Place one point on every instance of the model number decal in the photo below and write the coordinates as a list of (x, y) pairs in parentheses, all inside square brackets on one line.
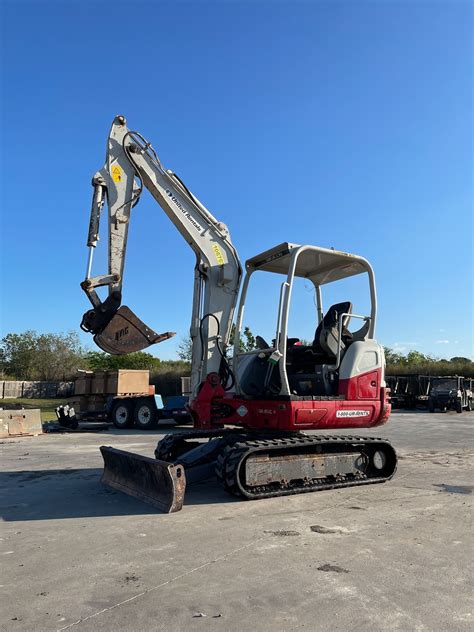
[(353, 413), (218, 253), (186, 213)]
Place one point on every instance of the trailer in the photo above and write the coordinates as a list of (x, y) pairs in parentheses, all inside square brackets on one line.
[(442, 392), (123, 397), (409, 390)]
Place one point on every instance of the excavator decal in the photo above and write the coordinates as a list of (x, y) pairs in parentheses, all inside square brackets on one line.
[(116, 174)]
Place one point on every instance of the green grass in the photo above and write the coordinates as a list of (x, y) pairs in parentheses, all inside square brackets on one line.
[(47, 406)]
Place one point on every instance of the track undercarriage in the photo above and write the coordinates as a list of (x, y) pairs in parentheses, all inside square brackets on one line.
[(264, 464), (252, 465)]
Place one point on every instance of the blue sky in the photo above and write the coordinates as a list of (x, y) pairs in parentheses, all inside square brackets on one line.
[(343, 124)]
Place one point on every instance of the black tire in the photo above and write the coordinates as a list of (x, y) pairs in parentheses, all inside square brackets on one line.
[(431, 406), (121, 414), (458, 406), (145, 414)]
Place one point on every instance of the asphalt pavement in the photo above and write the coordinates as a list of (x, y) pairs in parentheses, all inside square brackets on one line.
[(396, 556)]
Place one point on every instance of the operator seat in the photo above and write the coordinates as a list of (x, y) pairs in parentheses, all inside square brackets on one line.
[(326, 337), (311, 370)]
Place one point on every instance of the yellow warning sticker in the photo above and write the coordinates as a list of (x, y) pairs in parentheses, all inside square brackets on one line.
[(116, 173), (218, 253)]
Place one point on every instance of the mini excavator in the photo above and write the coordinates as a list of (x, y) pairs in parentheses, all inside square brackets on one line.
[(251, 410)]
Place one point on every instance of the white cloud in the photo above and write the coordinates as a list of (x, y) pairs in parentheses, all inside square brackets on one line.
[(404, 347), (441, 342), (405, 344)]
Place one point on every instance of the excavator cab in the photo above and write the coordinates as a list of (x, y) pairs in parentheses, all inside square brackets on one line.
[(287, 367)]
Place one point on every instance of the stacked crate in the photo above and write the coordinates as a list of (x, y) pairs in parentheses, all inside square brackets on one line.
[(91, 390)]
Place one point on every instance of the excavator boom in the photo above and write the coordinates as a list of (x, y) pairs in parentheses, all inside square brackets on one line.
[(132, 164)]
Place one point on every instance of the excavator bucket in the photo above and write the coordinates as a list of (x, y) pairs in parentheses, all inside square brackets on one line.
[(126, 333), (157, 483)]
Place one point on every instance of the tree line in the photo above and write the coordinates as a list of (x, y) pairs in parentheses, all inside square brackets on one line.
[(417, 362), (58, 356)]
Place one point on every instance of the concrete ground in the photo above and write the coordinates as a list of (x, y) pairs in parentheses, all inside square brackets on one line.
[(396, 556)]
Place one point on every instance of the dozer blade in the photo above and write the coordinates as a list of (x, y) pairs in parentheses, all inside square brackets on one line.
[(126, 333), (158, 483)]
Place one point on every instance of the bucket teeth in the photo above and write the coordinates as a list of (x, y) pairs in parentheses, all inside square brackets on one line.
[(126, 333), (157, 483)]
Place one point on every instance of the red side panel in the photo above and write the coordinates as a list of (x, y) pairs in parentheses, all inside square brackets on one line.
[(365, 404), (368, 385), (365, 386), (310, 416)]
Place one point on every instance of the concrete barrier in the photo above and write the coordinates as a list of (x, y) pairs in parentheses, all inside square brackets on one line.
[(15, 423)]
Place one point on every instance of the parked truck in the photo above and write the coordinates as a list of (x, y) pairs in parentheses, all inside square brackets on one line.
[(450, 393)]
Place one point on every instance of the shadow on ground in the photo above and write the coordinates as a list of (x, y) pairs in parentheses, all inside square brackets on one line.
[(167, 426), (78, 493)]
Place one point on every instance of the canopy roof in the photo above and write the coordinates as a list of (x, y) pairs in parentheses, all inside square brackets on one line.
[(321, 265)]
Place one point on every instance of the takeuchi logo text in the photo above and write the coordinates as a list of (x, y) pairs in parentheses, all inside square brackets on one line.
[(184, 211)]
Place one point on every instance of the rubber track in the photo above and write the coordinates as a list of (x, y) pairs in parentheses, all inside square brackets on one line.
[(238, 448), (232, 458)]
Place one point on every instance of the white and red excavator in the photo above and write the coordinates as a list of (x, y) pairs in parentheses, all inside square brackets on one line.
[(252, 410)]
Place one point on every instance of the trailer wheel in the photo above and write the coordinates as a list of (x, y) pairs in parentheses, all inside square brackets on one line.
[(121, 414), (145, 415)]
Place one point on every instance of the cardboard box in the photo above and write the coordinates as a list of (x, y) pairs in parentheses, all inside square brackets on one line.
[(126, 381), (82, 386), (118, 382), (98, 384)]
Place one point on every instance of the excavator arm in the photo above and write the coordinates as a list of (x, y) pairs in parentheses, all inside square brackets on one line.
[(131, 165)]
